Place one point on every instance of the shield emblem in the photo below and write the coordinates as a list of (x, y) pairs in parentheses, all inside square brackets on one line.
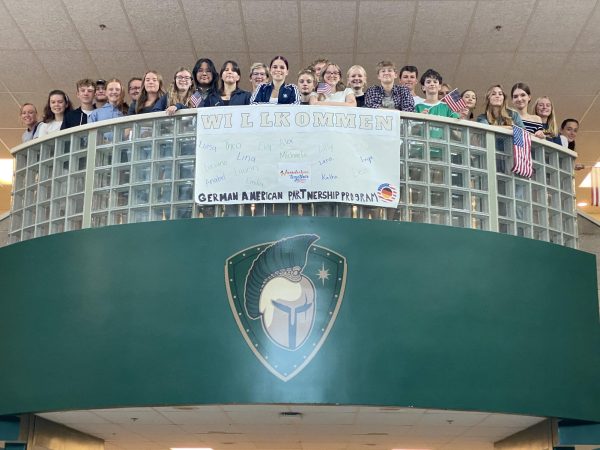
[(285, 296)]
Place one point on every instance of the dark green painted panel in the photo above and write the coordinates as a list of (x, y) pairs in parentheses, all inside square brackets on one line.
[(9, 428), (433, 317)]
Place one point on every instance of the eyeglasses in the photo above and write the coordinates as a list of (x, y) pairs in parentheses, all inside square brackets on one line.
[(333, 73), (181, 78), (259, 74)]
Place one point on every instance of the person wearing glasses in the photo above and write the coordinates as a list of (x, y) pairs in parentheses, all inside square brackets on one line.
[(134, 87), (332, 90), (179, 93), (276, 92), (259, 73), (229, 94)]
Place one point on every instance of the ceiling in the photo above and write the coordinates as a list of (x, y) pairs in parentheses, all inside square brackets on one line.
[(552, 45), (262, 427)]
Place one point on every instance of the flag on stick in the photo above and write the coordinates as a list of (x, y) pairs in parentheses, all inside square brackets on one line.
[(324, 88), (455, 101), (595, 186), (522, 152)]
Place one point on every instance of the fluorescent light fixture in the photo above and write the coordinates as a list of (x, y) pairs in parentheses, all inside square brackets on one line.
[(582, 204), (6, 171)]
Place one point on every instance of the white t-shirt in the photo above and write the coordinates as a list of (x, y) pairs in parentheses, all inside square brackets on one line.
[(47, 128)]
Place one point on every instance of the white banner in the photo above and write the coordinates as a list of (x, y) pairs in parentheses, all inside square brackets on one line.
[(297, 154)]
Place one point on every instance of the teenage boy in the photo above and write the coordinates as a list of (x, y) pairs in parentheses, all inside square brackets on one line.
[(431, 81), (409, 76), (387, 94), (86, 90), (307, 83), (568, 131), (101, 98)]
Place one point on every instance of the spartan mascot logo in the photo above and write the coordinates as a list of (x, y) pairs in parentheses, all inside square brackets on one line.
[(285, 296)]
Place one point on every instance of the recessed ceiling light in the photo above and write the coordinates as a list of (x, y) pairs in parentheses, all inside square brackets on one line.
[(582, 204)]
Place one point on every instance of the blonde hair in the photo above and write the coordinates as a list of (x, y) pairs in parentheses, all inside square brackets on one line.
[(174, 96), (551, 129), (358, 68)]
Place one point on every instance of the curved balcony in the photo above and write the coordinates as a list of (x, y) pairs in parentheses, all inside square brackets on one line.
[(142, 168)]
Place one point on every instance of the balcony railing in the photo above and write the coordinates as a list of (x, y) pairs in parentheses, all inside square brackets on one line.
[(142, 168)]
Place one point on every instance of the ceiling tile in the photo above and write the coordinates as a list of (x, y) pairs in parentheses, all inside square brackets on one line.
[(261, 15), (555, 25), (430, 37), (483, 36), (579, 76), (166, 63), (589, 38), (338, 38), (369, 62), (574, 106), (160, 26), (478, 71), (47, 26), (293, 59), (11, 37), (385, 25), (66, 68), (87, 16), (541, 67), (9, 111), (444, 63), (10, 138), (218, 28), (22, 71), (121, 65)]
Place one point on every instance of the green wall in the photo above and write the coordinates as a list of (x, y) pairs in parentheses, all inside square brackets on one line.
[(432, 317)]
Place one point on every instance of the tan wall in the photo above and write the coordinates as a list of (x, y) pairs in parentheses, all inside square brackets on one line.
[(589, 241), (537, 437), (4, 225)]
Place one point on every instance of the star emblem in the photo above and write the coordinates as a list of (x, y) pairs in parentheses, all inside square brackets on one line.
[(323, 274)]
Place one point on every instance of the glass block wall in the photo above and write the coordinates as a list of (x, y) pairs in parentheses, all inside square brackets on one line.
[(452, 173)]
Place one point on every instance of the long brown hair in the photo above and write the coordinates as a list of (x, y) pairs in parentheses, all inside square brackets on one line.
[(139, 105), (504, 118)]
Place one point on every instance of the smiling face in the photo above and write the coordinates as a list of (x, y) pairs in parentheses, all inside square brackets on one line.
[(570, 130), (28, 115), (331, 75), (409, 79), (57, 104), (86, 94), (278, 70), (204, 75), (470, 99), (183, 80), (386, 74), (520, 99), (306, 83), (357, 79), (114, 92), (431, 86), (151, 83), (258, 76), (543, 108), (444, 89)]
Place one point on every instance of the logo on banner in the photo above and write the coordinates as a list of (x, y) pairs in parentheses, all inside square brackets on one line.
[(285, 296), (387, 192)]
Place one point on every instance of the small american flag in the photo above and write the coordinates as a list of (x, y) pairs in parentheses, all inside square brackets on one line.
[(455, 101), (595, 186), (522, 152), (324, 88), (195, 99)]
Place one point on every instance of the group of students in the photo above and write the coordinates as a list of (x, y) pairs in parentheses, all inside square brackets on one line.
[(319, 84)]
